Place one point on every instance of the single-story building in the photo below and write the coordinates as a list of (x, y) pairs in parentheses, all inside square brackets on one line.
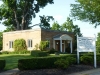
[(59, 40)]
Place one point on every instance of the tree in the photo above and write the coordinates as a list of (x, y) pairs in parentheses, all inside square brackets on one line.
[(19, 13), (88, 11), (98, 43), (55, 26), (44, 21), (1, 40), (70, 27)]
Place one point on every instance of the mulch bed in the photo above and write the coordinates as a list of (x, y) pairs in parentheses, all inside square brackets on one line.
[(71, 69)]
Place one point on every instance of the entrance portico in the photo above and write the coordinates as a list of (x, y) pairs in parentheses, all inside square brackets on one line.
[(61, 42)]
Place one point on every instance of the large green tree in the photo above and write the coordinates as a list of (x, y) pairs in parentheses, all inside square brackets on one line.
[(87, 10), (55, 26), (70, 27), (19, 13)]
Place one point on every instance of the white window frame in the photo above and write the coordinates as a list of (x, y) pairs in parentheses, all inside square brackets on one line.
[(30, 43), (10, 44)]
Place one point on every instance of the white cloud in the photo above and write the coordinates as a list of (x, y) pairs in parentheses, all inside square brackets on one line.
[(58, 17)]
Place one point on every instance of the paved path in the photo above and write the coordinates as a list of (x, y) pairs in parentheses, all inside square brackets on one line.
[(89, 72), (9, 72)]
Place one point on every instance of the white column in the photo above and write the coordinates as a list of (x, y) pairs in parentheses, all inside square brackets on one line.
[(60, 45), (71, 46), (54, 44)]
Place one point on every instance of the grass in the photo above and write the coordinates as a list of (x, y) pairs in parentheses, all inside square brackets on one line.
[(12, 59)]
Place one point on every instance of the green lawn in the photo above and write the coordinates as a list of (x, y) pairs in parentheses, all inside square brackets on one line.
[(12, 59)]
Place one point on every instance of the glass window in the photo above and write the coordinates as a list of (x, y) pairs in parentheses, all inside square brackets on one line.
[(29, 42), (10, 44)]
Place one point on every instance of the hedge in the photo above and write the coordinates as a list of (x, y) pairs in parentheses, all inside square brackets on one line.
[(38, 63), (2, 64), (38, 53)]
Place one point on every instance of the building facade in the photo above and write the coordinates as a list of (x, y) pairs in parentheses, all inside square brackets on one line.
[(59, 40)]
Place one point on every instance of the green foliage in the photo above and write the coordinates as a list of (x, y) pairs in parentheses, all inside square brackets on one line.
[(20, 44), (87, 11), (36, 47), (41, 62), (1, 43), (98, 43), (52, 51), (44, 21), (72, 60), (86, 59), (38, 53), (62, 63), (2, 64), (55, 26), (16, 52), (65, 62), (19, 13), (43, 45), (37, 63), (5, 52)]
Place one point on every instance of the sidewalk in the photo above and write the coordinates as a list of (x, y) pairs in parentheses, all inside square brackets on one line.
[(89, 72), (9, 72)]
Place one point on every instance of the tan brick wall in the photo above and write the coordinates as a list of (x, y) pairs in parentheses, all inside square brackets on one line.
[(35, 35)]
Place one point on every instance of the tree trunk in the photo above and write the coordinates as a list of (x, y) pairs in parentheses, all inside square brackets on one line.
[(16, 20)]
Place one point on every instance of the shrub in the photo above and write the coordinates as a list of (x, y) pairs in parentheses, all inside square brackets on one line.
[(65, 62), (2, 64), (38, 53), (36, 47), (85, 59), (62, 63), (52, 51), (20, 52), (20, 44), (71, 60), (37, 63), (5, 52), (43, 45)]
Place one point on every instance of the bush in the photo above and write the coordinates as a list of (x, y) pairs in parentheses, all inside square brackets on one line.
[(62, 63), (65, 62), (37, 63), (16, 52), (71, 60), (20, 52), (2, 64), (85, 59), (5, 52), (43, 45), (52, 51), (20, 44), (38, 53)]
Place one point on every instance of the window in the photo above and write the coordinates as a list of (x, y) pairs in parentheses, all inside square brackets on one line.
[(29, 42), (10, 44)]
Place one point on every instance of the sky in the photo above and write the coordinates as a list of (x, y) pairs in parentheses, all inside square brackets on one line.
[(60, 10)]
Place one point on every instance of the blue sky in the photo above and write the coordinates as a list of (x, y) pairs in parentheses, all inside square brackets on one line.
[(60, 10)]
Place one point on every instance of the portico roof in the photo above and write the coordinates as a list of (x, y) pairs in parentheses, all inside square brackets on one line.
[(62, 36)]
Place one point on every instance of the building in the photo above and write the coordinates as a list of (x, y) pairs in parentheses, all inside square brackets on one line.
[(59, 40)]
